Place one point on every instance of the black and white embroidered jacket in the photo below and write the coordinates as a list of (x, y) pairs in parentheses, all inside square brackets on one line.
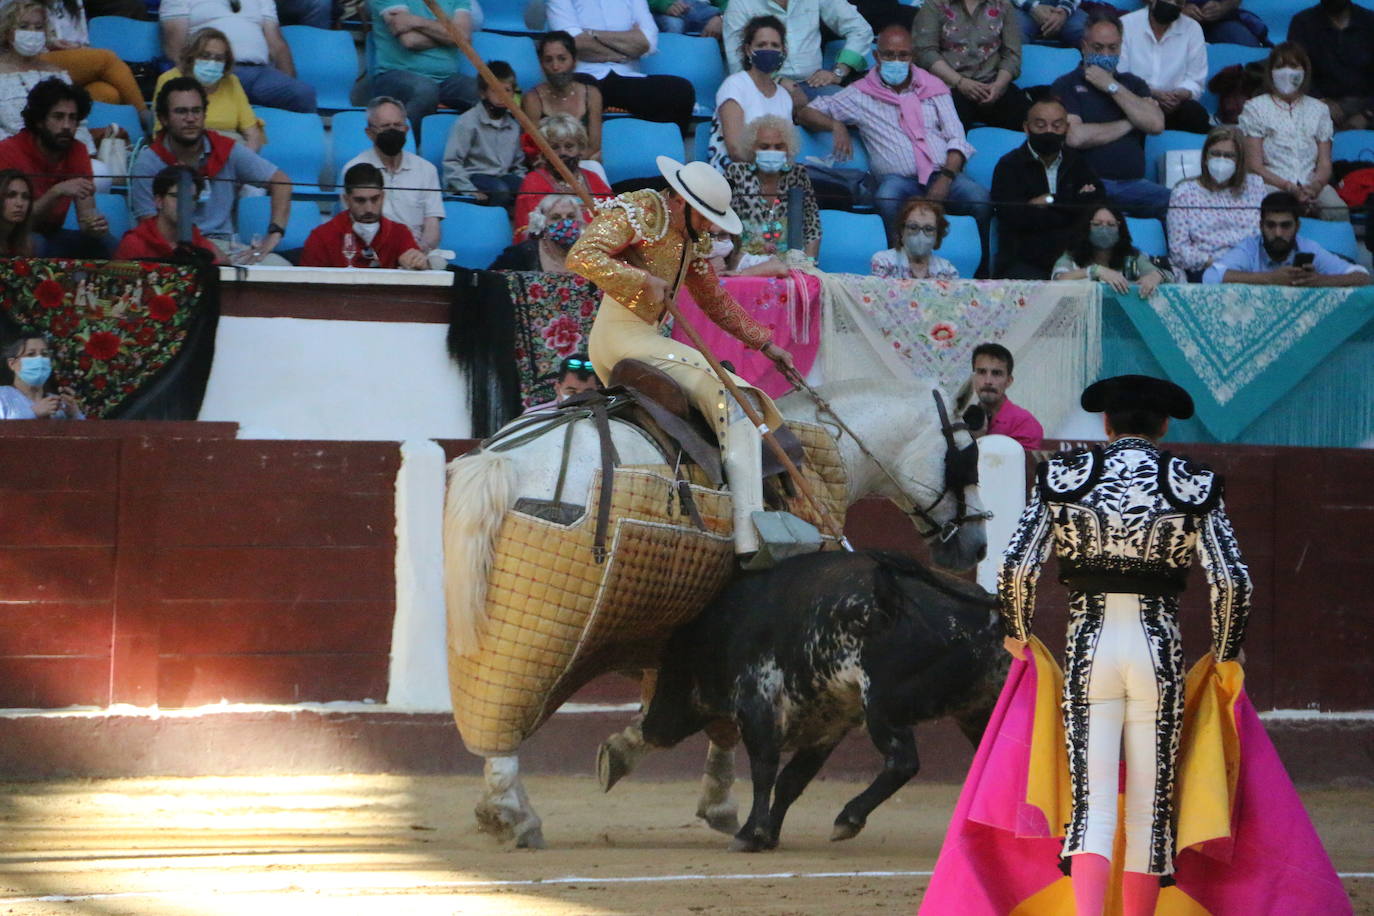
[(1127, 519)]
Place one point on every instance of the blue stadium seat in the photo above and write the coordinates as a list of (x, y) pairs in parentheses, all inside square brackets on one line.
[(701, 141), (1221, 56), (516, 50), (1043, 64), (1277, 14), (325, 59), (962, 247), (629, 147), (255, 213), (1125, 6), (1335, 237), (104, 114), (696, 60), (116, 210), (818, 145), (1148, 235), (990, 144), (1353, 144), (830, 51), (1156, 145), (504, 16), (135, 41), (295, 144), (849, 241), (476, 234), (434, 136)]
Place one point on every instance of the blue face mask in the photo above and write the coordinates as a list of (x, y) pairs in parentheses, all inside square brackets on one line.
[(771, 160), (1108, 62), (34, 370), (894, 72), (208, 72), (766, 60)]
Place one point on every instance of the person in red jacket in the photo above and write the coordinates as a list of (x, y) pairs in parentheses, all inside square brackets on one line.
[(156, 236), (360, 236)]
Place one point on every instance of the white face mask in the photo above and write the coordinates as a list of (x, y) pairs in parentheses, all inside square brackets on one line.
[(1220, 168), (1288, 79), (366, 231), (29, 42), (722, 248)]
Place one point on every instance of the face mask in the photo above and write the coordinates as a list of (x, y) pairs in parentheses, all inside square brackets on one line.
[(390, 142), (1047, 143), (1166, 12), (1103, 236), (1108, 62), (1288, 79), (34, 370), (918, 244), (722, 248), (563, 232), (560, 80), (208, 72), (1278, 249), (894, 72), (29, 42), (495, 112), (1220, 168), (574, 164), (366, 231), (766, 60), (771, 160)]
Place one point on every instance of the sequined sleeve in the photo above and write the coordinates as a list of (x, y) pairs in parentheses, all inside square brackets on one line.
[(1229, 580), (1021, 564), (722, 308), (595, 256)]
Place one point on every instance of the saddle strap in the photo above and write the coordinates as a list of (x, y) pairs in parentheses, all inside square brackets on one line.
[(706, 455), (608, 463)]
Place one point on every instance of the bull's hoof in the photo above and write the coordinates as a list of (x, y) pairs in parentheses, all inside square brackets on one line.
[(533, 838), (723, 817), (493, 822), (617, 757), (845, 830)]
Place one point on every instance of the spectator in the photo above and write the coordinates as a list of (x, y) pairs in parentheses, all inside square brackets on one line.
[(1271, 258), (992, 376), (1210, 214), (99, 71), (227, 167), (318, 14), (762, 186), (908, 122), (263, 61), (687, 17), (1288, 135), (802, 20), (157, 236), (1109, 115), (574, 376), (611, 36), (16, 215), (1339, 39), (416, 60), (555, 224), (1041, 189), (1058, 21), (413, 198), (361, 236), (208, 58), (924, 227), (561, 92), (31, 395), (1101, 250), (975, 47), (753, 92), (1223, 22), (569, 142), (1166, 49), (483, 157), (59, 169)]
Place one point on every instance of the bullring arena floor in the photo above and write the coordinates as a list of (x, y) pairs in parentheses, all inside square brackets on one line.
[(344, 845)]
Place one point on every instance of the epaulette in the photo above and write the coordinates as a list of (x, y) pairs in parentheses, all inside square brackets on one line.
[(1189, 486), (1068, 475)]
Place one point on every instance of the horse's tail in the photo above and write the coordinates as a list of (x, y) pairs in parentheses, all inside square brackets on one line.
[(481, 489)]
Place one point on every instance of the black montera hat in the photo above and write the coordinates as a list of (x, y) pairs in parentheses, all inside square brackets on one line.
[(1137, 392)]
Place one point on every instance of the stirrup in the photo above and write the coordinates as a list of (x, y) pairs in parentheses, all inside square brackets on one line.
[(781, 535)]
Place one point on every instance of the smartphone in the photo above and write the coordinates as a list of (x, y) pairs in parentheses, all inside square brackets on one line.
[(1303, 259)]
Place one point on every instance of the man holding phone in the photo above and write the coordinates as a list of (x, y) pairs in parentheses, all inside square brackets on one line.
[(1279, 257)]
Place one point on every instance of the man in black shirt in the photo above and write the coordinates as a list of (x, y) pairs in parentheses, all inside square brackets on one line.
[(1339, 38)]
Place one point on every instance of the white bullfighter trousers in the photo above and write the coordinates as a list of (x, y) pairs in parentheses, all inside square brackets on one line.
[(743, 460)]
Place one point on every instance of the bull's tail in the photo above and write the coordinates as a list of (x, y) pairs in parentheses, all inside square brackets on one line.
[(481, 489)]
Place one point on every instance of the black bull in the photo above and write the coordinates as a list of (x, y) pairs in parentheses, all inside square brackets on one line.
[(799, 654)]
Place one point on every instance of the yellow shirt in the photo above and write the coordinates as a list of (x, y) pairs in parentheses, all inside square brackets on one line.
[(229, 108)]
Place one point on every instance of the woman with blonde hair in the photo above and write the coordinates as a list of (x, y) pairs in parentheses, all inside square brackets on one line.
[(209, 59), (762, 182), (99, 71), (568, 139), (1210, 214)]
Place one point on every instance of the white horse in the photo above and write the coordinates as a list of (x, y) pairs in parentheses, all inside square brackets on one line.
[(898, 424)]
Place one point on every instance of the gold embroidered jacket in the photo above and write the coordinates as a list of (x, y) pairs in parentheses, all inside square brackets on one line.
[(629, 236)]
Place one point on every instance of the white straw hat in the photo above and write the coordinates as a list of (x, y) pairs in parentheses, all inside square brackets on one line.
[(704, 189)]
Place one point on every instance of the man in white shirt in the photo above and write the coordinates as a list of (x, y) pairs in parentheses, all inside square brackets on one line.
[(1167, 50), (803, 19), (262, 60), (413, 197), (611, 36)]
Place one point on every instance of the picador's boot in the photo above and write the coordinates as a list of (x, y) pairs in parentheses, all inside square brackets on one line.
[(761, 538)]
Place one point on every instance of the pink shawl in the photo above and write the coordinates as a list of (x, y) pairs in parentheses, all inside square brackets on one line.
[(923, 86)]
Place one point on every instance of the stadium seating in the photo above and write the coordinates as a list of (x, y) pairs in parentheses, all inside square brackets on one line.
[(116, 210), (696, 60), (1148, 235), (1353, 144), (104, 114), (135, 41), (1335, 237), (1277, 14), (701, 141), (961, 246), (434, 136), (1043, 64), (1125, 6), (516, 50), (476, 234), (818, 145), (990, 144), (830, 52), (630, 146), (1156, 145), (504, 16), (326, 60), (295, 144), (255, 213), (1221, 56), (849, 241)]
